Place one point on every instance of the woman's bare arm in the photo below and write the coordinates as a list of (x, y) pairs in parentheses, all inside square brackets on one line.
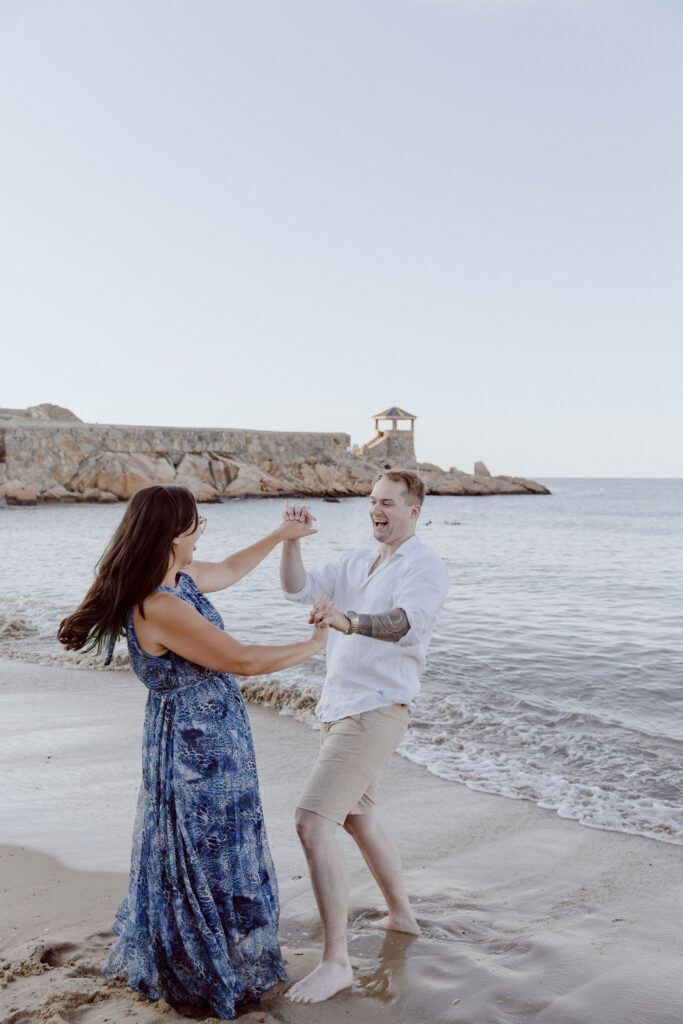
[(171, 624), (212, 576)]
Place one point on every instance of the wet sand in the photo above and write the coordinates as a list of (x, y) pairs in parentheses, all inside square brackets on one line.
[(525, 916)]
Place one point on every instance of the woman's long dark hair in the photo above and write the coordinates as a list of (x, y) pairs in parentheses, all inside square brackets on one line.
[(132, 567)]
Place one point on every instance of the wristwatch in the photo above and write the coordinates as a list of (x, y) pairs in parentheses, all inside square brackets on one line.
[(354, 619)]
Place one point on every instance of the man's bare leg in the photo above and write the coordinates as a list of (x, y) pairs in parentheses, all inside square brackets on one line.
[(331, 889), (382, 857)]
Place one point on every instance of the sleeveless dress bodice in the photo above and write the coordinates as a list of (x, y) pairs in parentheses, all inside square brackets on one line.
[(171, 672), (200, 922)]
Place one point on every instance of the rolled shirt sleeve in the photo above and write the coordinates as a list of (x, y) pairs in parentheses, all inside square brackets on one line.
[(421, 594), (317, 582)]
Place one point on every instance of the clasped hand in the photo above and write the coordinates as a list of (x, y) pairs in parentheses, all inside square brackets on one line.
[(323, 613), (297, 522)]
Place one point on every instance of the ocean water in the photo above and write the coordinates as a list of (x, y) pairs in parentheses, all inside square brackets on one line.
[(554, 675)]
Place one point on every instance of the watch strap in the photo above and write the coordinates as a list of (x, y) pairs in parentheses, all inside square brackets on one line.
[(353, 618)]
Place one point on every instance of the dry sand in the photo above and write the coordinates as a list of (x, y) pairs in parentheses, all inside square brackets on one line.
[(526, 917)]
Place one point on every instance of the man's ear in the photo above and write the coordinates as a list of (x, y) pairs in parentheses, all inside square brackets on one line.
[(415, 510)]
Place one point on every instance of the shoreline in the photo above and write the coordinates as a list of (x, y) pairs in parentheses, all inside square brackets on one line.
[(526, 916), (18, 498), (299, 702)]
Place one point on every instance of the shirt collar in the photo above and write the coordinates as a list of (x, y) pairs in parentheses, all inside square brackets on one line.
[(405, 549), (408, 545)]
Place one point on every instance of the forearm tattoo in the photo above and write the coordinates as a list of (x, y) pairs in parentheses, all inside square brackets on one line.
[(390, 626)]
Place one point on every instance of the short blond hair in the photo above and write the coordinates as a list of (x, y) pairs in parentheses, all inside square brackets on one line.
[(413, 483)]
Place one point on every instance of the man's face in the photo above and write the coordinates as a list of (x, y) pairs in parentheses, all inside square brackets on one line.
[(392, 515)]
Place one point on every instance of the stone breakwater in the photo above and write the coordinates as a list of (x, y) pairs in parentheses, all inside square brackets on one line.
[(44, 460)]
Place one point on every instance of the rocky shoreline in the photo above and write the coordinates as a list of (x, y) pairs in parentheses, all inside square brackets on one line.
[(47, 455)]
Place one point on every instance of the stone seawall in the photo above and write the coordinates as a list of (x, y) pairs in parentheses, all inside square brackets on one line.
[(93, 462), (66, 461)]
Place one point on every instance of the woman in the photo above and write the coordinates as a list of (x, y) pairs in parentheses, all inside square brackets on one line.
[(200, 922)]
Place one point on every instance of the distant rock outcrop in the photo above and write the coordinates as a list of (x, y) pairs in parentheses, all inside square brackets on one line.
[(455, 481), (45, 411), (53, 457)]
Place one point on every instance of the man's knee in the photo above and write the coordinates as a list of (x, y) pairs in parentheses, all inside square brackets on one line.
[(311, 826)]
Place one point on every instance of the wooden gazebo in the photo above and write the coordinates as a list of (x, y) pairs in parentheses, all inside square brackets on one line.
[(395, 415)]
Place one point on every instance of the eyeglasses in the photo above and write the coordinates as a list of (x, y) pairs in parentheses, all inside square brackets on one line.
[(202, 524)]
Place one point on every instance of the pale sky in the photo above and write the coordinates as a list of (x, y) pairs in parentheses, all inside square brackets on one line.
[(291, 215)]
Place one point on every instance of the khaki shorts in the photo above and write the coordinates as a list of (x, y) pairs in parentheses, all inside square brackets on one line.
[(352, 751)]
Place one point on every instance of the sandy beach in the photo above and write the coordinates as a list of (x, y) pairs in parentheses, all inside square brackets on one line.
[(525, 916)]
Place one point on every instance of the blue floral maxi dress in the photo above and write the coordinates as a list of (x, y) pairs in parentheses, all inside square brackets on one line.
[(200, 922)]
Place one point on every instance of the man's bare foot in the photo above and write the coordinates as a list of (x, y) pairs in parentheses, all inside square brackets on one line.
[(398, 923), (329, 977)]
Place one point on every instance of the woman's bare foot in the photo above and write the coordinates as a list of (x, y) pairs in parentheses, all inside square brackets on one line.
[(329, 977), (398, 923)]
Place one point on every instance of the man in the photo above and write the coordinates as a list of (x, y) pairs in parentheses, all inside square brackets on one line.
[(382, 606)]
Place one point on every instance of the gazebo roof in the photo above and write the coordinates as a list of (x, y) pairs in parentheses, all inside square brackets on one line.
[(394, 413)]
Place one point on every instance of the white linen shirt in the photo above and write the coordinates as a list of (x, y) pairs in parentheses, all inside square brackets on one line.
[(364, 673)]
